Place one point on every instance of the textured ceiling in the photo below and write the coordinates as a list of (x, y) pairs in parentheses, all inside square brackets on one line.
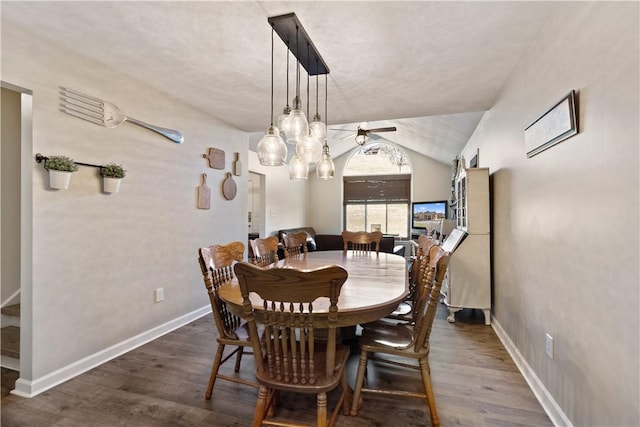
[(429, 68)]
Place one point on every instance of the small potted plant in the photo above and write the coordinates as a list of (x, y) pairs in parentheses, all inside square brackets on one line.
[(112, 174), (60, 169)]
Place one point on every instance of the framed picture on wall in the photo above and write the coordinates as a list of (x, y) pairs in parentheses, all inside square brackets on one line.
[(473, 163), (553, 127)]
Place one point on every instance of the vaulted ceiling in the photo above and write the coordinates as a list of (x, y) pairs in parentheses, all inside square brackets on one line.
[(429, 68)]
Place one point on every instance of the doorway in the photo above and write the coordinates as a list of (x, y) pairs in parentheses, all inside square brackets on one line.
[(16, 209)]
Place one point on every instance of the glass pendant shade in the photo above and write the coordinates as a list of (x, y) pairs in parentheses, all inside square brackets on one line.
[(283, 123), (272, 151), (325, 169), (297, 123), (298, 168), (309, 149), (318, 128)]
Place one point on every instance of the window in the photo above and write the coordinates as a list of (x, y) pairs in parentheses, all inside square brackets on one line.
[(379, 201)]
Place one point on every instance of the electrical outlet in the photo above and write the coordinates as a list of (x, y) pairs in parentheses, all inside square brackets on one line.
[(159, 294), (549, 346)]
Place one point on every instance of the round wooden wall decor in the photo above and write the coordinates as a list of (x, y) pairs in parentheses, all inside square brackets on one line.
[(229, 187)]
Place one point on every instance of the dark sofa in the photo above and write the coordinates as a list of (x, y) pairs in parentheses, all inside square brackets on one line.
[(329, 242)]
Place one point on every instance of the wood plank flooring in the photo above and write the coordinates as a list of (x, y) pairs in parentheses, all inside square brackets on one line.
[(162, 384)]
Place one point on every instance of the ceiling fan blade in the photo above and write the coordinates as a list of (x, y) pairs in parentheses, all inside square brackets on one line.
[(342, 130), (348, 136), (388, 129)]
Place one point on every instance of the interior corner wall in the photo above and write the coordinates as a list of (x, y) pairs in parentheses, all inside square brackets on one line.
[(97, 258), (285, 201), (565, 222)]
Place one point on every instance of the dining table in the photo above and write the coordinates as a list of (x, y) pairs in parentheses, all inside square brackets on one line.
[(375, 285)]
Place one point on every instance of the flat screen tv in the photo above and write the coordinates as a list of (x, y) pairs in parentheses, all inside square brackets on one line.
[(421, 212)]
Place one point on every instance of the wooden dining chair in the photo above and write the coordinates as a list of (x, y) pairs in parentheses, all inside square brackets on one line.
[(406, 310), (390, 343), (287, 356), (216, 265), (265, 251), (294, 244), (362, 241)]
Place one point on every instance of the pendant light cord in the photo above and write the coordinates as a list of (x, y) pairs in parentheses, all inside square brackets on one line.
[(297, 67), (326, 119), (308, 90), (272, 31)]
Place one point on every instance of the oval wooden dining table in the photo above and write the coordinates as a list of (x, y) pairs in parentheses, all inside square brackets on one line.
[(375, 286)]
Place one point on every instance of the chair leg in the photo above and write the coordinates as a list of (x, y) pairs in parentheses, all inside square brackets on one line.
[(322, 410), (346, 392), (214, 371), (428, 389), (238, 359), (362, 367), (261, 407)]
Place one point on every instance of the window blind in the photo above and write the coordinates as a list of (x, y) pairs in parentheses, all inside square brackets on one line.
[(377, 188)]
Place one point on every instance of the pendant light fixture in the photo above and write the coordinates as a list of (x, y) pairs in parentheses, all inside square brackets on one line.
[(272, 151), (298, 168), (295, 126), (297, 123), (325, 169), (316, 127)]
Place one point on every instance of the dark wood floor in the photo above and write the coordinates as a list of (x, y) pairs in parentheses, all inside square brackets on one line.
[(162, 384)]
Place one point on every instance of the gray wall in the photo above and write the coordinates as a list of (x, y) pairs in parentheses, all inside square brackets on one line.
[(565, 222), (98, 258)]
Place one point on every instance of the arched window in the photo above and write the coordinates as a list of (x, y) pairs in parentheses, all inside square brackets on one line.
[(377, 190)]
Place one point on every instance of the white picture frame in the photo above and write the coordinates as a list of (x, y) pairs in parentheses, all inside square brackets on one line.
[(553, 127)]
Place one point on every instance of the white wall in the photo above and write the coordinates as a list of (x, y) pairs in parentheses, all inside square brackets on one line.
[(98, 258), (565, 222)]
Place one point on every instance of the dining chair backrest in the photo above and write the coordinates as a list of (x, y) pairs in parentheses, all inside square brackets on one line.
[(294, 243), (430, 297), (287, 353), (216, 264), (418, 277), (425, 243), (362, 241), (287, 356), (265, 250)]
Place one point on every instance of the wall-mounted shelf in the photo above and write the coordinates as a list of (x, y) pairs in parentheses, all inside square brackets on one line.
[(42, 158), (111, 174)]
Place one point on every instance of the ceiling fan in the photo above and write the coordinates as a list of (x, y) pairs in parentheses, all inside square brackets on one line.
[(362, 133)]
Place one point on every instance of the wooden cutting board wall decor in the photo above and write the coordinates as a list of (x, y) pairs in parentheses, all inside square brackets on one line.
[(229, 187), (215, 157), (204, 194)]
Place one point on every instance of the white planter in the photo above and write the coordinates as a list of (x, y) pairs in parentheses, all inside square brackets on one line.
[(59, 179), (110, 185)]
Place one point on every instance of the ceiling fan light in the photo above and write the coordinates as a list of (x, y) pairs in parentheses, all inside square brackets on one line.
[(298, 168), (361, 138), (272, 151)]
